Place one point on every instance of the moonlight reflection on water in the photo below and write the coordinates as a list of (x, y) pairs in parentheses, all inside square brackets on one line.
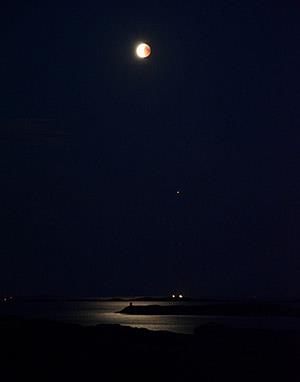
[(105, 312)]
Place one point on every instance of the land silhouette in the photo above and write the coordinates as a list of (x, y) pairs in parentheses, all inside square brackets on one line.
[(54, 351), (249, 309)]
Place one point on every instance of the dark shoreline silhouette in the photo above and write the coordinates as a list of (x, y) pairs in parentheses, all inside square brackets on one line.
[(55, 351), (220, 309)]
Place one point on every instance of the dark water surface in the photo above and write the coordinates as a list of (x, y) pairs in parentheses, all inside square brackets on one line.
[(89, 312)]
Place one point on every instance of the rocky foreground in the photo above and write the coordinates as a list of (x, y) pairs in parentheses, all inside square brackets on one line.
[(52, 351)]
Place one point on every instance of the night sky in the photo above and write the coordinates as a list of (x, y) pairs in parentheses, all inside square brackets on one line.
[(95, 144)]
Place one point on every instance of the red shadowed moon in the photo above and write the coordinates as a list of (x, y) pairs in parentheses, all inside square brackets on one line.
[(143, 50)]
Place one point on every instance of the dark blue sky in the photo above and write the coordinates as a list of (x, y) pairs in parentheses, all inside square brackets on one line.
[(94, 145)]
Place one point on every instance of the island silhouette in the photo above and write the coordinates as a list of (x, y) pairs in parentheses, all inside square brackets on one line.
[(248, 309)]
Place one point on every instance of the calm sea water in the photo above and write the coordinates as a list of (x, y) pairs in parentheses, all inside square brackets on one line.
[(100, 312)]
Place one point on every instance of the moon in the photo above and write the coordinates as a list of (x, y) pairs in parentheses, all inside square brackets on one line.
[(143, 50)]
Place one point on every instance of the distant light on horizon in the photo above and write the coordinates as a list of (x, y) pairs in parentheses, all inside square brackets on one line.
[(177, 295)]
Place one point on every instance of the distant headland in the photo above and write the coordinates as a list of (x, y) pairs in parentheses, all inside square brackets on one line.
[(220, 309)]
